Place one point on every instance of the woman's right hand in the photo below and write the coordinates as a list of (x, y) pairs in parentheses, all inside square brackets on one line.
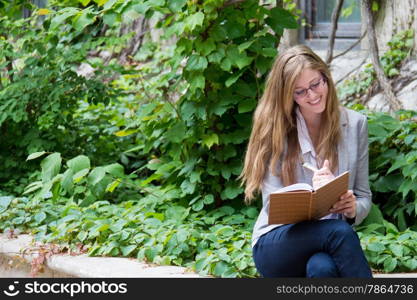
[(322, 176)]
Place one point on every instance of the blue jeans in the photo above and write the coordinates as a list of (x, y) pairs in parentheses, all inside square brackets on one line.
[(323, 248)]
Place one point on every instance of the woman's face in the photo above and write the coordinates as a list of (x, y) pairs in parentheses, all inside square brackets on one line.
[(310, 92)]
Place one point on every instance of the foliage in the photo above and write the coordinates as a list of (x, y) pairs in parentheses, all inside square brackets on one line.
[(400, 47), (196, 131), (393, 156), (14, 10), (40, 93), (389, 250), (151, 228)]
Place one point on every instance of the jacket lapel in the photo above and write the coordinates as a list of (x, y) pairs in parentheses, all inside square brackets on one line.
[(342, 148)]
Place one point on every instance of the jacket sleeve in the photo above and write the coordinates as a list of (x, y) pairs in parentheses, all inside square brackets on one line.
[(361, 185)]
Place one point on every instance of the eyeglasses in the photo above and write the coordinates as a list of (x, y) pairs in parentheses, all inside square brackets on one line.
[(314, 87)]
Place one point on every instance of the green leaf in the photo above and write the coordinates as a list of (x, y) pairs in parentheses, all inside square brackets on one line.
[(89, 199), (82, 235), (188, 187), (246, 105), (279, 19), (226, 64), (115, 169), (208, 199), (411, 264), (221, 268), (251, 212), (33, 187), (101, 2), (390, 264), (240, 59), (198, 82), (83, 20), (79, 163), (375, 6), (5, 202), (127, 132), (400, 161), (96, 175), (393, 72), (126, 250), (150, 254), (103, 227), (176, 5), (210, 140), (177, 212), (245, 45), (109, 4), (84, 2), (231, 80), (197, 206), (35, 155), (406, 187), (191, 22), (176, 133), (142, 8), (231, 191), (205, 47), (80, 175), (63, 14), (196, 63), (68, 181), (112, 186), (396, 249), (217, 56), (51, 166), (376, 247), (39, 217)]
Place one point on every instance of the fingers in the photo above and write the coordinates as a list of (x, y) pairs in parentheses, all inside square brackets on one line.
[(325, 169), (346, 204), (347, 195)]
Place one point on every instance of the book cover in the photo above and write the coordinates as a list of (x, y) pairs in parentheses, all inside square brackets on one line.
[(300, 202)]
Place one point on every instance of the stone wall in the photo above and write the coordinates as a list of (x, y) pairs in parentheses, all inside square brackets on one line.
[(393, 16)]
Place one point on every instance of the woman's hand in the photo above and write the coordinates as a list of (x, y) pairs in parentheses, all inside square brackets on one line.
[(346, 205), (322, 176)]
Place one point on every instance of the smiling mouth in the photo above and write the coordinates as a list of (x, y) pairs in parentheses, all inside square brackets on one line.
[(315, 101)]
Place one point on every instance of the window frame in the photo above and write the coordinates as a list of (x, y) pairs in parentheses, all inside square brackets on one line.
[(322, 30)]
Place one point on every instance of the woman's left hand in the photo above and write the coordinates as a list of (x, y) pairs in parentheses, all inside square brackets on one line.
[(346, 205)]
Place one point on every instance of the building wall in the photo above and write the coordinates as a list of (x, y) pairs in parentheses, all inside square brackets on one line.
[(393, 16)]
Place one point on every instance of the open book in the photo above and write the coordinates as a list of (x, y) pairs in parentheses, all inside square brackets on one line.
[(300, 202)]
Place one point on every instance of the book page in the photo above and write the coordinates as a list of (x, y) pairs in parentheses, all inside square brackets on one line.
[(294, 187)]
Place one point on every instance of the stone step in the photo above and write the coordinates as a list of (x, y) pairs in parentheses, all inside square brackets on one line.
[(17, 254)]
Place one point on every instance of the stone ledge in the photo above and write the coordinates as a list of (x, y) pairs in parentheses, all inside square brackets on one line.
[(16, 262)]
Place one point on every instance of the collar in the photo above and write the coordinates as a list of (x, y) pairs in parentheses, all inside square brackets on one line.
[(303, 136)]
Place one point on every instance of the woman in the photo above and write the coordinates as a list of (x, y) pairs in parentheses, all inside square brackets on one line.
[(297, 120)]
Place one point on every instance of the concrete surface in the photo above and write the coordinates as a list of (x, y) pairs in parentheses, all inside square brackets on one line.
[(17, 254)]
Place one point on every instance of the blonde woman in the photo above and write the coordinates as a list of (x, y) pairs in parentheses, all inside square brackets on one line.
[(297, 120)]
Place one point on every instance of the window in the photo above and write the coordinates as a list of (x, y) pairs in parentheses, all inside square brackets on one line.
[(319, 12)]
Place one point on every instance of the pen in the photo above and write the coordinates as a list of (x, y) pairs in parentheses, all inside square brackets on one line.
[(310, 167)]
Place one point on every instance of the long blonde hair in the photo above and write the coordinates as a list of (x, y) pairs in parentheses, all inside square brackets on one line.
[(274, 137)]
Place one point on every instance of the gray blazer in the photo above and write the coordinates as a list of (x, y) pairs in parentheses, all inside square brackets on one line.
[(353, 157)]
